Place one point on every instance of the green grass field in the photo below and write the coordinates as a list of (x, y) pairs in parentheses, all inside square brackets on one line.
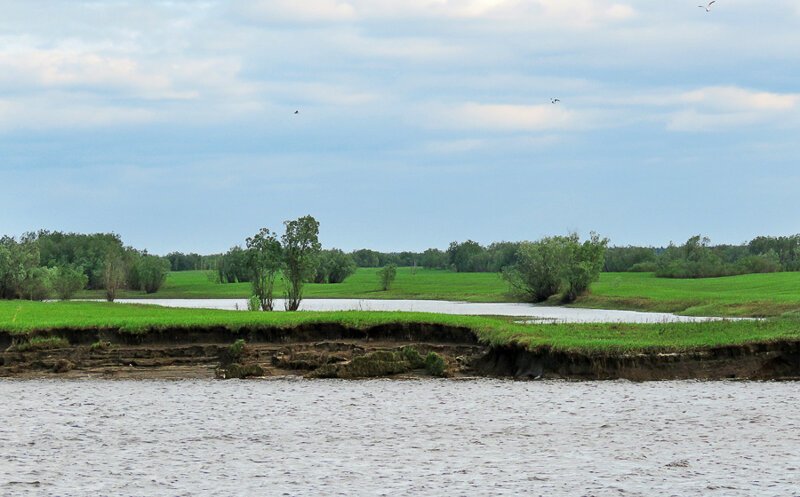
[(21, 317), (409, 284), (745, 295)]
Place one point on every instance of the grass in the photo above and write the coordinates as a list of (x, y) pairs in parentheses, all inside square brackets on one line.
[(428, 284), (754, 295), (23, 317)]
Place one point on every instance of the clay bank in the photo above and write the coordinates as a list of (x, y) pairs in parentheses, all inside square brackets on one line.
[(336, 350)]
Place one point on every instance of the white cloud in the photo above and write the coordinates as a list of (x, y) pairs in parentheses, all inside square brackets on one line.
[(506, 117), (296, 10)]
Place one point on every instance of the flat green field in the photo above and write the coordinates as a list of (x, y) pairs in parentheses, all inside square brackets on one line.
[(745, 295), (21, 317), (421, 283)]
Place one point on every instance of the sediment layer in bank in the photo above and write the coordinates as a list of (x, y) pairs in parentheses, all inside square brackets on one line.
[(389, 349)]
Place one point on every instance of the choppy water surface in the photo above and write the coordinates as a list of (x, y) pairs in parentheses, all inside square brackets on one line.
[(529, 311), (476, 437)]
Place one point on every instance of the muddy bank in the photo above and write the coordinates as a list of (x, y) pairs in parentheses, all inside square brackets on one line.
[(765, 361), (337, 351)]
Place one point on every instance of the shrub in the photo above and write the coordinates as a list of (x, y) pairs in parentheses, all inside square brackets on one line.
[(254, 303), (412, 356), (434, 364), (66, 280), (387, 276), (236, 350)]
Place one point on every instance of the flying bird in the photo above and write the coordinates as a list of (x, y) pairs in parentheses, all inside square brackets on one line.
[(297, 112), (708, 7), (554, 100)]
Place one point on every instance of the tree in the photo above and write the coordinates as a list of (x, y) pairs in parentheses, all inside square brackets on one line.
[(300, 249), (67, 280), (583, 265), (264, 262), (334, 266), (19, 262), (151, 272), (537, 274), (387, 275), (113, 274)]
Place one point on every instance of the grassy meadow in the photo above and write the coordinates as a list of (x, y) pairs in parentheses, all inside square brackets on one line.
[(21, 317), (755, 295)]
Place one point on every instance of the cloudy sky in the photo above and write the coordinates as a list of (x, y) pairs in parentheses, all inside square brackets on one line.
[(421, 121)]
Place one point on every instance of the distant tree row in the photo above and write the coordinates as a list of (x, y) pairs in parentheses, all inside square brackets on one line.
[(178, 261), (697, 258), (48, 264), (462, 257)]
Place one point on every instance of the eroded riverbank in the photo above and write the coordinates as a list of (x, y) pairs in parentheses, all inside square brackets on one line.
[(335, 350)]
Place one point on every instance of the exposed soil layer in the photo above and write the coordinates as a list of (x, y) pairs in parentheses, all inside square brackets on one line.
[(322, 350)]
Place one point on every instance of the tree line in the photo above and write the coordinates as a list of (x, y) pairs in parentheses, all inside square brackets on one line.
[(47, 264), (697, 258)]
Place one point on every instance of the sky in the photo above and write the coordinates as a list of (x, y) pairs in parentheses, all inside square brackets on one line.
[(420, 122)]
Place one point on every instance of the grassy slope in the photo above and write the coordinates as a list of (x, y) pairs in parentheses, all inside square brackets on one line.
[(24, 316), (745, 295)]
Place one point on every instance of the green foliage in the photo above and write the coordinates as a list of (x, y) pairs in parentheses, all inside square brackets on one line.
[(468, 256), (152, 272), (232, 266), (629, 258), (386, 276), (366, 258), (254, 304), (40, 343), (178, 261), (537, 275), (435, 364), (87, 251), (100, 345), (113, 274), (19, 263), (334, 266), (300, 250), (434, 259), (68, 280), (264, 259), (37, 284), (236, 349), (413, 357), (545, 267), (583, 266)]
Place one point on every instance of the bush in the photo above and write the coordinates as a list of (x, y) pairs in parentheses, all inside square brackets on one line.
[(152, 272), (545, 267), (67, 280), (435, 365), (334, 266), (412, 356), (387, 276), (254, 303)]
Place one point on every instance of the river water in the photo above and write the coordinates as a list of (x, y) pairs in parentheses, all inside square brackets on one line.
[(528, 311), (384, 437)]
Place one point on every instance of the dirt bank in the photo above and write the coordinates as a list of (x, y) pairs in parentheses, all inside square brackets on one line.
[(334, 351)]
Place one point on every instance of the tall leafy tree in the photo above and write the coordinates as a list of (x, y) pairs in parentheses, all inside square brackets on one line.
[(264, 261), (300, 250)]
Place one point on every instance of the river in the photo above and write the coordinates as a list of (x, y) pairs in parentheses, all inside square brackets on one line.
[(384, 437), (527, 311)]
